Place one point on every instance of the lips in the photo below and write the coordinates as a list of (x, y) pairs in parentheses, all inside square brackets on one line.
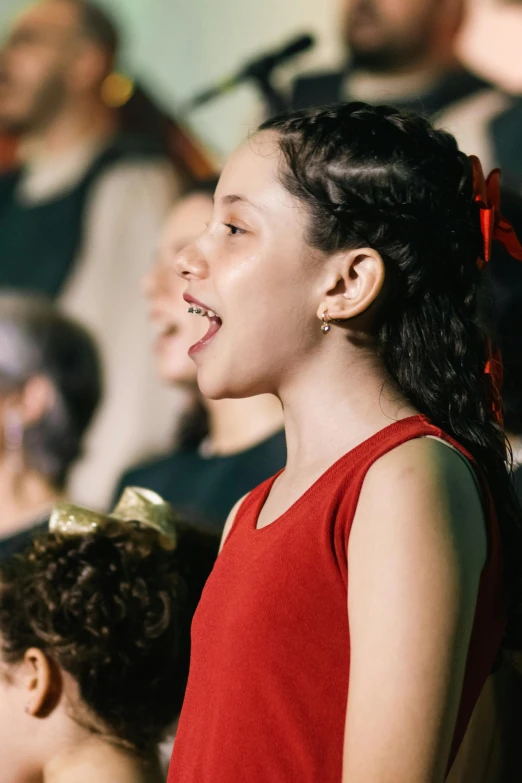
[(201, 309)]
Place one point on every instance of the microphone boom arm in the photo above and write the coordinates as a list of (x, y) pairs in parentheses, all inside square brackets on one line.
[(259, 71)]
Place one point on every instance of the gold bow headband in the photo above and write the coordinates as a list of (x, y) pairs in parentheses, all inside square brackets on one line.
[(135, 505)]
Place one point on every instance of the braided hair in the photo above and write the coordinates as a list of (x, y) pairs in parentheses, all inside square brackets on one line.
[(378, 177)]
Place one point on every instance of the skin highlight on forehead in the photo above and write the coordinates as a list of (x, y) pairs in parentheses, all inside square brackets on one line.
[(251, 176), (53, 16)]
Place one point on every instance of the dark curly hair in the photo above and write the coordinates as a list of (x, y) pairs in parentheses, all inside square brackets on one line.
[(378, 177), (113, 609)]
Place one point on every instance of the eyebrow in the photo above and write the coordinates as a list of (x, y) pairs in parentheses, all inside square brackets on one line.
[(234, 199)]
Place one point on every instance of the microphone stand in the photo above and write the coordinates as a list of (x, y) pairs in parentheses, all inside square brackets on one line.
[(260, 72)]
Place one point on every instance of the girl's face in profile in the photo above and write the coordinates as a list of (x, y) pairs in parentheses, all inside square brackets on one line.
[(254, 272), (176, 330)]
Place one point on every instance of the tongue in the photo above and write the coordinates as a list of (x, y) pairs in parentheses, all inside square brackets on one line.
[(214, 326)]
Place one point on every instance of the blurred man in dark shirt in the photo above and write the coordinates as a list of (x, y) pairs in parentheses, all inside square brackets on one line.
[(401, 52)]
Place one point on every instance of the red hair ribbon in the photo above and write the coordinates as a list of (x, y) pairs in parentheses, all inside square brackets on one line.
[(494, 373), (495, 227)]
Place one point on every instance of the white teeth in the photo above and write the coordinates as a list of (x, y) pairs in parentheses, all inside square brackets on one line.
[(211, 314)]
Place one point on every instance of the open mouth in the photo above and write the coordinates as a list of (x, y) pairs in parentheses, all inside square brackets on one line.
[(169, 330), (199, 309), (163, 334)]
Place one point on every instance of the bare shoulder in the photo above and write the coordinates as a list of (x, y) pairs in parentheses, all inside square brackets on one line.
[(231, 519), (415, 555), (425, 490)]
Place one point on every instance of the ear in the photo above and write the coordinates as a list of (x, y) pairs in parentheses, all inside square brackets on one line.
[(37, 399), (41, 682), (353, 281)]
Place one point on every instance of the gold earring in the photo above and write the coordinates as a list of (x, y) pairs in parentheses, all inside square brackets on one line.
[(116, 90), (325, 326)]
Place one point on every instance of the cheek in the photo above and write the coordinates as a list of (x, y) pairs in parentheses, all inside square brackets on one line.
[(26, 68), (176, 368), (268, 325), (174, 363), (33, 70), (267, 286)]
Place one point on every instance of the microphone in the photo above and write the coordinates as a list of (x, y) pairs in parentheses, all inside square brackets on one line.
[(258, 69)]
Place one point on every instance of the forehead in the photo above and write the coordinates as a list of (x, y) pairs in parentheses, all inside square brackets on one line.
[(195, 208), (252, 173), (188, 218), (52, 15)]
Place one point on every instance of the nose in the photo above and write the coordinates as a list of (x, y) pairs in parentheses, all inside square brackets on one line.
[(190, 263)]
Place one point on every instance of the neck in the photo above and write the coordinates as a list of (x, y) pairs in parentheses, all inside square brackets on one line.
[(336, 402), (90, 122), (95, 759), (236, 425), (400, 84), (25, 495)]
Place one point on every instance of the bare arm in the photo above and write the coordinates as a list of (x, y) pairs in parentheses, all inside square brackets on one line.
[(416, 551)]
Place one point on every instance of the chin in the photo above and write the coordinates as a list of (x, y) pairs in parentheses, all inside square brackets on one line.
[(177, 374), (216, 387), (214, 391)]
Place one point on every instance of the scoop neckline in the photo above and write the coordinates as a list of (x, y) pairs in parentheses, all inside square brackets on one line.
[(334, 467)]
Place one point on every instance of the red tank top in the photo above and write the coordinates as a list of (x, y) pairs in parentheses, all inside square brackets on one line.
[(267, 691)]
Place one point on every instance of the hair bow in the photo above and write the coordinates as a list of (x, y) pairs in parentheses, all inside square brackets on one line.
[(495, 227), (135, 505), (494, 372)]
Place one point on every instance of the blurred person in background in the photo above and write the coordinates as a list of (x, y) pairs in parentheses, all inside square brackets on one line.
[(94, 641), (399, 52), (50, 386), (490, 40), (402, 52), (226, 447), (80, 215)]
